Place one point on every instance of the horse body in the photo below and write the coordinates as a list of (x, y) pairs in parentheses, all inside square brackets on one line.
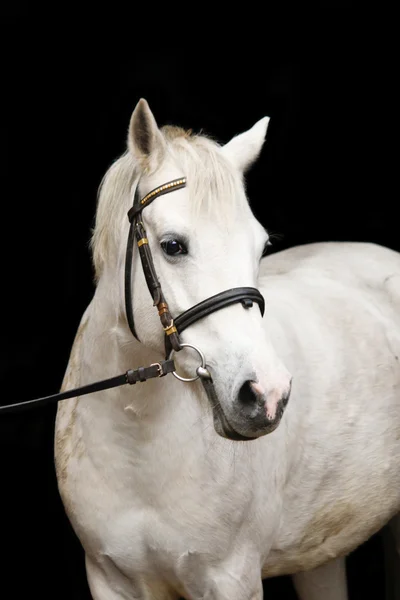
[(155, 497), (343, 480), (165, 507)]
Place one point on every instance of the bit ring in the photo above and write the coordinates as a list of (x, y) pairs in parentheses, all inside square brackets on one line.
[(203, 364)]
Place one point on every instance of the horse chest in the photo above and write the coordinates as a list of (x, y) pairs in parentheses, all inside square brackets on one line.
[(146, 519), (153, 546)]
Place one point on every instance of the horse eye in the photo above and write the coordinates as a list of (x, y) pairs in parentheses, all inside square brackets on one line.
[(173, 247)]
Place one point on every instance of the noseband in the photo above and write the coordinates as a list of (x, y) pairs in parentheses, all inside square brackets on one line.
[(172, 327)]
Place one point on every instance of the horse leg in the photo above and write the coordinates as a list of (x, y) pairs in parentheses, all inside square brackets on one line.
[(236, 578), (106, 582), (327, 581), (391, 541), (234, 592)]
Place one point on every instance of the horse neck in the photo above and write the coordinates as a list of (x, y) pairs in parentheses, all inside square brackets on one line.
[(161, 423), (110, 349)]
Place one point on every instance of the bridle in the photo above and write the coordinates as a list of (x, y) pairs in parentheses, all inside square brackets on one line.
[(172, 327)]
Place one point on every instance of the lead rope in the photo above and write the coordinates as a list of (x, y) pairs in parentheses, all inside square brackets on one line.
[(129, 377)]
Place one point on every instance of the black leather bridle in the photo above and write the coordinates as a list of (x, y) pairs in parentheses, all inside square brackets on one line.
[(172, 327)]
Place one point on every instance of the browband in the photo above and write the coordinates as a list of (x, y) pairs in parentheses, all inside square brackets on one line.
[(139, 205)]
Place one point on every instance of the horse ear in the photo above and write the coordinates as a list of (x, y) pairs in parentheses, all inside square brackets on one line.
[(244, 148), (145, 140)]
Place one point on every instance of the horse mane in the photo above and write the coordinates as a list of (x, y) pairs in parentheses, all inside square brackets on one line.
[(213, 185)]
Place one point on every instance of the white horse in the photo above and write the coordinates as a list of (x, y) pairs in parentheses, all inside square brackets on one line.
[(163, 505)]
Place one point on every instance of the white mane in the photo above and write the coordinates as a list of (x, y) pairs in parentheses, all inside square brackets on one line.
[(214, 185)]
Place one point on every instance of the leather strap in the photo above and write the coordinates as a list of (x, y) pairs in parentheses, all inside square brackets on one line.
[(138, 231), (129, 377), (128, 281), (147, 263), (245, 295)]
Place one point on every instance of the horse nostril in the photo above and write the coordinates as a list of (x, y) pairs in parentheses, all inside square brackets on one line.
[(247, 395)]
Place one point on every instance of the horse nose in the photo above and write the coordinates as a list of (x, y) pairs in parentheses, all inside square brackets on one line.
[(251, 396)]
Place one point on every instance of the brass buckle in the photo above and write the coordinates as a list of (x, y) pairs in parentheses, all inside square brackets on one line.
[(170, 329)]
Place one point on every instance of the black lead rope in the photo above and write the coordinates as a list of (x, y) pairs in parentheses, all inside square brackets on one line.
[(129, 377)]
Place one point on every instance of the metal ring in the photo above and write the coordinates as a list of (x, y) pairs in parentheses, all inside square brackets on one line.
[(203, 364)]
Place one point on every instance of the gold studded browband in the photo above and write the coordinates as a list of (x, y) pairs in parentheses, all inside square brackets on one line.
[(139, 205), (163, 188)]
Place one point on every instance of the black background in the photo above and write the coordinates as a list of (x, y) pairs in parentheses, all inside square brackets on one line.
[(325, 173)]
